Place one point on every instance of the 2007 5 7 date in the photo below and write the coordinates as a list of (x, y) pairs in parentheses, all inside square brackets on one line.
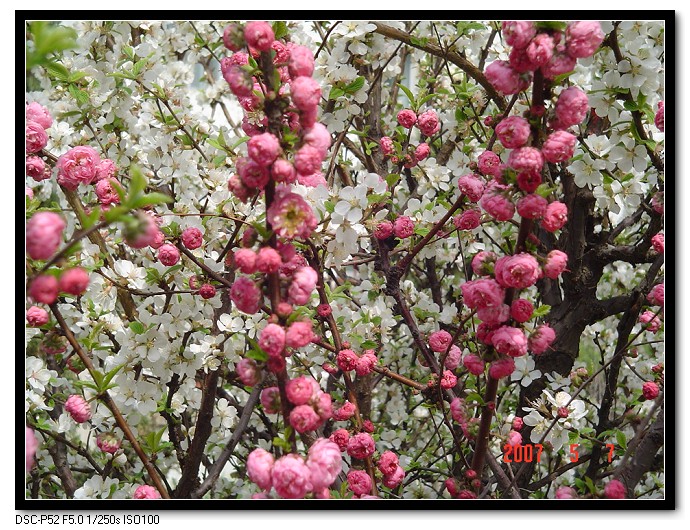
[(529, 452)]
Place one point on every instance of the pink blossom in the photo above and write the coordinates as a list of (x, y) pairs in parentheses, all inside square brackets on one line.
[(467, 220), (106, 191), (283, 171), (474, 364), (268, 260), (318, 137), (658, 242), (105, 170), (485, 331), (458, 410), (322, 404), (403, 227), (517, 423), (39, 114), (659, 117), (494, 315), (393, 480), (308, 160), (36, 168), (270, 400), (44, 289), (238, 188), (518, 33), (407, 118), (77, 166), (324, 310), (453, 358), (566, 492), (422, 151), (30, 446), (359, 482), (246, 295), (36, 137), (510, 341), (108, 442), (301, 62), (656, 295), (74, 281), (440, 340), (483, 263), (345, 412), (245, 260), (306, 93), (650, 390), (505, 79), (502, 367), (513, 132), (532, 206), (387, 147), (496, 203), (388, 462), (325, 462), (299, 334), (259, 35), (555, 217), (291, 477), (253, 175), (291, 216), (263, 148), (571, 108), (340, 437), (383, 230), (482, 293), (37, 316), (529, 181), (347, 360), (556, 262), (233, 37), (192, 238), (514, 438), (540, 49), (651, 321), (521, 310), (146, 492), (489, 163), (272, 339), (248, 372), (428, 123), (365, 364), (208, 291), (260, 467), (303, 284), (471, 186), (300, 390), (78, 408), (614, 490), (520, 61), (582, 38), (526, 159), (559, 147), (312, 180), (560, 63), (540, 340), (168, 255), (448, 379), (44, 234), (303, 418), (519, 271)]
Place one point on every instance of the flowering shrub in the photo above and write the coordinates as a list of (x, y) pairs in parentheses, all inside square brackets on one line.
[(344, 260)]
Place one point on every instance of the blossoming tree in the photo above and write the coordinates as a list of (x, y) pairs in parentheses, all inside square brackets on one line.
[(344, 259)]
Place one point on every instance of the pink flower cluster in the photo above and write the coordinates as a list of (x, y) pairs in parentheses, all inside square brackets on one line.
[(348, 360), (312, 406), (78, 408), (427, 122), (393, 473), (291, 476)]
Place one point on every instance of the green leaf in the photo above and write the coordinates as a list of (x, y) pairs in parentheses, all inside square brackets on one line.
[(630, 105), (355, 85), (115, 213), (545, 190), (137, 327), (418, 42), (151, 199), (57, 71), (542, 310), (81, 96), (257, 355), (280, 29), (335, 93), (137, 182), (110, 375), (48, 38), (408, 93), (551, 24), (172, 269), (92, 218), (622, 442)]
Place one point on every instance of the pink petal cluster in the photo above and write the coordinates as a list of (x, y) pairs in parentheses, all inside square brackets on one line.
[(303, 284), (614, 489), (566, 492), (532, 206), (496, 203), (582, 38), (403, 227), (510, 341), (291, 216), (359, 482), (650, 390), (513, 132), (37, 316), (428, 123), (44, 234), (483, 263), (518, 33), (77, 166), (74, 281), (482, 293), (471, 186), (467, 220), (108, 442), (656, 295), (571, 107), (502, 367), (559, 147), (556, 262), (505, 79), (518, 271), (248, 372), (270, 400), (246, 295), (39, 114), (407, 118), (146, 492), (192, 238), (168, 255), (36, 137), (540, 340), (521, 310), (291, 477), (439, 341), (474, 364), (36, 168), (651, 321), (260, 467), (658, 242), (259, 35), (106, 192), (30, 446), (78, 408), (555, 216), (44, 289), (489, 163), (659, 117), (325, 462)]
